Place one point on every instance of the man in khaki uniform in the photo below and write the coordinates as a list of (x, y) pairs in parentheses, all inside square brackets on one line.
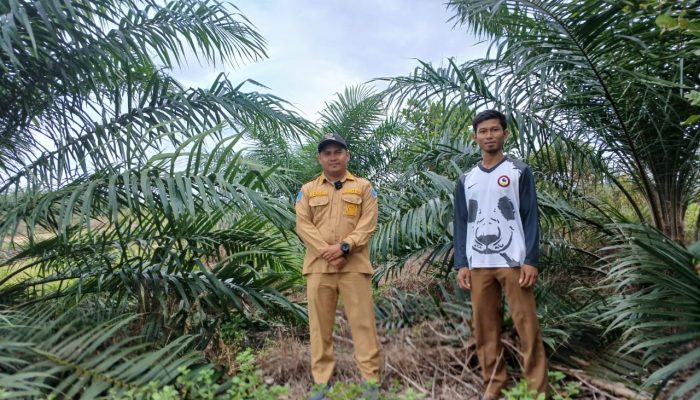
[(336, 217)]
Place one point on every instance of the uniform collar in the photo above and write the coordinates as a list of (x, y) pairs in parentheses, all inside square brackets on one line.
[(348, 176)]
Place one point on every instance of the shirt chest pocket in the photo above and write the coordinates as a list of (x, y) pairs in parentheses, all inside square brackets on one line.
[(318, 201), (319, 209), (352, 205)]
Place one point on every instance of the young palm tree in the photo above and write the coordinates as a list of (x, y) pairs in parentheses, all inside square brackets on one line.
[(658, 308), (596, 92), (121, 188), (597, 73)]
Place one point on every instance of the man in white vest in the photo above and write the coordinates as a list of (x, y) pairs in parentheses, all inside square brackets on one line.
[(496, 242)]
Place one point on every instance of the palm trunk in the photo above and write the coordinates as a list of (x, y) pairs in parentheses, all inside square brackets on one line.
[(672, 215), (696, 231)]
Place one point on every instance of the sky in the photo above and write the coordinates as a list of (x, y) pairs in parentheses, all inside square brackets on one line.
[(318, 47)]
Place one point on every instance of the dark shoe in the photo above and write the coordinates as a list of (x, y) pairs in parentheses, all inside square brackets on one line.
[(318, 392), (370, 390)]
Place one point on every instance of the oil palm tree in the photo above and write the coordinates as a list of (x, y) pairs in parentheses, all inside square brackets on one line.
[(595, 86), (599, 74), (657, 306), (121, 188)]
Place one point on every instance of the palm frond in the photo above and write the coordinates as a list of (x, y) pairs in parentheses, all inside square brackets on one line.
[(65, 60), (657, 303), (207, 233), (163, 115), (581, 70), (45, 355), (416, 198)]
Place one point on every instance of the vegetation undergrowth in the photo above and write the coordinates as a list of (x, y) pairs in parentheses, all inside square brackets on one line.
[(353, 390), (200, 384), (559, 389)]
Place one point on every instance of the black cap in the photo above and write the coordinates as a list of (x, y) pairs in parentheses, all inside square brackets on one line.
[(329, 138)]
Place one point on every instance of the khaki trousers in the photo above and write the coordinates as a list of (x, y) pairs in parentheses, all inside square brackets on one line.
[(487, 286), (356, 291)]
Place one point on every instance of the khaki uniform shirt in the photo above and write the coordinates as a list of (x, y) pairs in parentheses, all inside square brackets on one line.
[(326, 216)]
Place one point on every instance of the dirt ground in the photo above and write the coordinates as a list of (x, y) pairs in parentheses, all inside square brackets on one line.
[(423, 358), (429, 357)]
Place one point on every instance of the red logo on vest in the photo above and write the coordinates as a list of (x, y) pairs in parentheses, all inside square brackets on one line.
[(503, 181)]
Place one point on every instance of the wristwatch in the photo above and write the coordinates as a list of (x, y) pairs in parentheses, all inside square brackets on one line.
[(345, 248)]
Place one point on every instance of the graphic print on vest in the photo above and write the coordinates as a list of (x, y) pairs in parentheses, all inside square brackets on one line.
[(494, 230)]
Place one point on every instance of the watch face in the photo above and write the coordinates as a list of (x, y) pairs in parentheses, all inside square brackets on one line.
[(344, 247)]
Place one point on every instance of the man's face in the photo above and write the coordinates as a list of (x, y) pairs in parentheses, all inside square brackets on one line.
[(334, 159), (490, 136)]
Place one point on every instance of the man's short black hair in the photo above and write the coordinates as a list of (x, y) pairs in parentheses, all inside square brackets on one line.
[(489, 114)]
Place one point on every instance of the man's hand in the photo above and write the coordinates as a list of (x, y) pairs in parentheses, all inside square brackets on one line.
[(528, 276), (339, 263), (332, 252), (464, 278)]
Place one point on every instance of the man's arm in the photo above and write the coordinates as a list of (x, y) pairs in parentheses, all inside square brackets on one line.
[(529, 217), (459, 226), (305, 228), (368, 220)]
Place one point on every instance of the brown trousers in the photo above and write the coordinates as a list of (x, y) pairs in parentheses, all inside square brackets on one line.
[(487, 285), (356, 291)]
